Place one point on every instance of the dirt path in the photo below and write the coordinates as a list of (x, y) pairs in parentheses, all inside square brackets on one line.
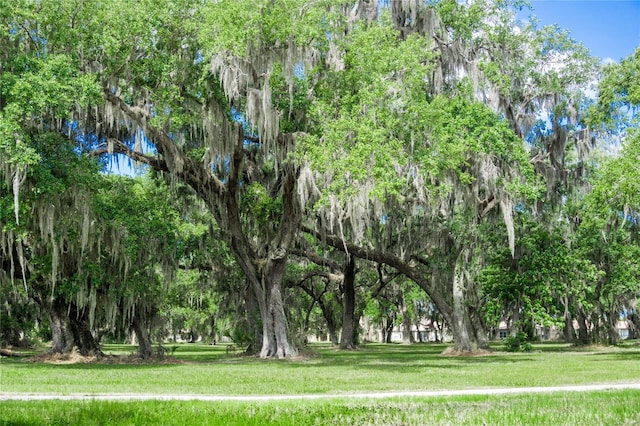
[(365, 395)]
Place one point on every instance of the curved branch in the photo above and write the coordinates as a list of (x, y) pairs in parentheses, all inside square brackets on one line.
[(119, 147), (318, 260), (406, 268)]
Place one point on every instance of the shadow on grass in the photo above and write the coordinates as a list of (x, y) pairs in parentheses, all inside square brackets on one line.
[(627, 355), (404, 358)]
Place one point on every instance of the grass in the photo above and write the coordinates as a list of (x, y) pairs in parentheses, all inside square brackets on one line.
[(210, 370), (594, 408)]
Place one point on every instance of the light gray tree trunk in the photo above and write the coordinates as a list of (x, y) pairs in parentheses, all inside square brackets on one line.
[(275, 327), (461, 335)]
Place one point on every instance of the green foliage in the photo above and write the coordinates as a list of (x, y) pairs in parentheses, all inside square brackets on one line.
[(272, 23), (363, 115), (517, 343), (535, 282), (388, 122), (37, 91), (619, 92), (265, 208)]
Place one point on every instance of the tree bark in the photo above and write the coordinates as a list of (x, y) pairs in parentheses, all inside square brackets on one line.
[(61, 336), (82, 336), (254, 320), (387, 330), (139, 325), (613, 336), (407, 335), (461, 335), (347, 337), (275, 327), (584, 336), (332, 327), (70, 329)]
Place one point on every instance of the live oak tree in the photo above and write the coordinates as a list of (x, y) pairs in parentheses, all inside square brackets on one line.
[(406, 167), (542, 284), (176, 77), (392, 131), (608, 232), (194, 80), (85, 248)]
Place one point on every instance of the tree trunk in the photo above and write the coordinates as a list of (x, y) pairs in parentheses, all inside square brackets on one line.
[(347, 338), (407, 335), (480, 330), (333, 334), (388, 330), (266, 275), (474, 311), (584, 337), (613, 336), (634, 324), (69, 329), (419, 333), (254, 319), (275, 327), (145, 350), (332, 327), (569, 332), (82, 336), (61, 336), (464, 340)]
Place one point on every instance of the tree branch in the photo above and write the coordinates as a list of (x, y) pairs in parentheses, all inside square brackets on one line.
[(318, 260), (117, 146)]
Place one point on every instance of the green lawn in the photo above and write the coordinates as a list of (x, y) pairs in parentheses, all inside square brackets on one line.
[(210, 370)]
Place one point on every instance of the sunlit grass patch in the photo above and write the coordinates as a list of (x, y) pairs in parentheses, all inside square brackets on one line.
[(593, 408)]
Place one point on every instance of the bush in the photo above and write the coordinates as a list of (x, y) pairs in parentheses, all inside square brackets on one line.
[(517, 343)]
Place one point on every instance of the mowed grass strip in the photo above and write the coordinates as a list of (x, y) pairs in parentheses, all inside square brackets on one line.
[(211, 370), (592, 408)]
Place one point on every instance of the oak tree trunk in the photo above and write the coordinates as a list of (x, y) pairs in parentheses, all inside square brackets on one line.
[(139, 325), (275, 327), (407, 335), (332, 326), (584, 336), (347, 338), (254, 320), (70, 328), (461, 336), (82, 336), (61, 336)]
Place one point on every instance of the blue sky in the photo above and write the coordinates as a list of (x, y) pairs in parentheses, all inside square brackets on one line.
[(608, 28)]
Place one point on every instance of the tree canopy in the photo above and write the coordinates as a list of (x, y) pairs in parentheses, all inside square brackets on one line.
[(291, 145)]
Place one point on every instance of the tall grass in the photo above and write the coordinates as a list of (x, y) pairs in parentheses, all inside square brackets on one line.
[(595, 408)]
